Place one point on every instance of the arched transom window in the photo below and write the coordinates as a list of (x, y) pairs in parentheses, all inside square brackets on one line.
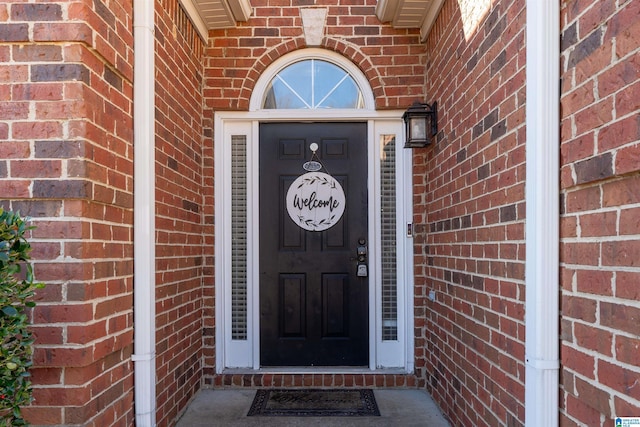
[(313, 84)]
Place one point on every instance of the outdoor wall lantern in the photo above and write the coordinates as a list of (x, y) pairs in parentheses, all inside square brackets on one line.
[(421, 122)]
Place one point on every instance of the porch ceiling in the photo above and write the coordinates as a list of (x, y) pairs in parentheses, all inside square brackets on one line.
[(410, 13), (213, 14)]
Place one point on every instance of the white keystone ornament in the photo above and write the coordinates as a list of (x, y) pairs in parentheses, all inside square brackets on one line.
[(315, 201)]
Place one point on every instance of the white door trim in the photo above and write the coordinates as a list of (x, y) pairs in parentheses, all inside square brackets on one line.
[(245, 353)]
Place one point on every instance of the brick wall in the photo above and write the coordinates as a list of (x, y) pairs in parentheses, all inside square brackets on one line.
[(67, 133), (600, 182), (181, 190), (392, 60), (65, 160), (469, 216)]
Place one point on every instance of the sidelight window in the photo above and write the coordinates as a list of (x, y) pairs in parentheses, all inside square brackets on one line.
[(239, 237), (388, 238)]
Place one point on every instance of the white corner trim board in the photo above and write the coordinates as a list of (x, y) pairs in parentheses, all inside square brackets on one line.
[(543, 214), (144, 215)]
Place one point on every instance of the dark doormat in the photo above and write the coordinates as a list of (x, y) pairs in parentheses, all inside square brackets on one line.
[(314, 403)]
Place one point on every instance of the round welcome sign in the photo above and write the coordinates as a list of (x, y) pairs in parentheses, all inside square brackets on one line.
[(315, 201)]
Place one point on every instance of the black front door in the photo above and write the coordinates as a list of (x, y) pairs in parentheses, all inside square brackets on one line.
[(313, 305)]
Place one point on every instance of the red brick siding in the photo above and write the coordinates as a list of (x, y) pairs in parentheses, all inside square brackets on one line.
[(66, 159), (600, 184), (66, 145), (180, 195), (69, 165), (469, 217), (392, 60), (373, 380)]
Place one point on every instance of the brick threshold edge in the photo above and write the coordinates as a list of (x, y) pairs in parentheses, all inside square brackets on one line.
[(310, 380)]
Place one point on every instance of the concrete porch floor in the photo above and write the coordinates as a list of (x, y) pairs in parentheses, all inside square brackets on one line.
[(398, 408)]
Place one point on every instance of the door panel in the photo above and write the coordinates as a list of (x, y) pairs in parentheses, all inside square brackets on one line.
[(291, 236), (292, 292), (313, 306), (335, 304)]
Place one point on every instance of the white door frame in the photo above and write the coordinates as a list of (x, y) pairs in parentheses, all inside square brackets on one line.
[(245, 353)]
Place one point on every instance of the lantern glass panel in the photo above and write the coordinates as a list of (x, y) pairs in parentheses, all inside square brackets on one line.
[(418, 128)]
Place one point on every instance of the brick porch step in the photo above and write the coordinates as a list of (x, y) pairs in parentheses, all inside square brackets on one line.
[(311, 379)]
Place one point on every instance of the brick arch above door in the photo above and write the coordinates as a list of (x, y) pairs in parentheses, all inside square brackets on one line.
[(347, 50), (260, 85)]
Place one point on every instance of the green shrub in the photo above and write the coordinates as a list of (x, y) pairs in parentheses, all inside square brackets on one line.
[(16, 288)]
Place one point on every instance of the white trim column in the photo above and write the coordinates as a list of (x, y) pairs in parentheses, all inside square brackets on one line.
[(144, 357), (543, 214)]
